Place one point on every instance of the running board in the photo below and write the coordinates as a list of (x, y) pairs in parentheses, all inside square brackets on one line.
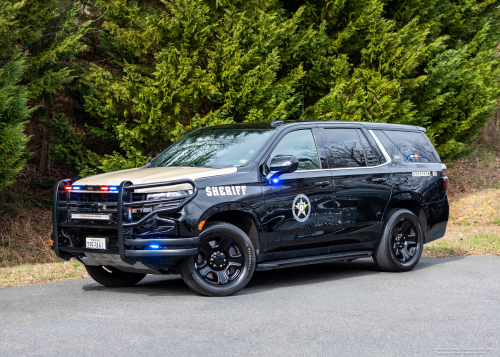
[(286, 263)]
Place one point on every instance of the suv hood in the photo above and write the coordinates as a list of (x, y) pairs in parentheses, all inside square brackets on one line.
[(154, 174)]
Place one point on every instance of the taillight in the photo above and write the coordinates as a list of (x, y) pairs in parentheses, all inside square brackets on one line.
[(444, 177)]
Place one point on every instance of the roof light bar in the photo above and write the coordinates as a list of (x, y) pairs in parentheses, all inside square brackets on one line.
[(104, 188)]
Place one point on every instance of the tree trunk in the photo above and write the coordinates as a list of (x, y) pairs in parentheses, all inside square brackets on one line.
[(44, 157)]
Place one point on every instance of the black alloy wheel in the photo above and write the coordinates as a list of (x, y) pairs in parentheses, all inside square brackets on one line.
[(220, 260), (224, 264), (401, 243), (404, 241)]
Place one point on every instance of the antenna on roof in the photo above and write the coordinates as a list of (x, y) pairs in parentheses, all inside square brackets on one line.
[(303, 118), (277, 122)]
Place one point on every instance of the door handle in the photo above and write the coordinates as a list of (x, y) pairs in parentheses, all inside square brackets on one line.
[(379, 180), (322, 184)]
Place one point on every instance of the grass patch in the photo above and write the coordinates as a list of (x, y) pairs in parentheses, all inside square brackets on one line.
[(472, 244), (41, 273), (496, 222)]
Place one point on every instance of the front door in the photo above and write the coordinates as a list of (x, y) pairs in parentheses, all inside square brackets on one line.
[(299, 207), (362, 187)]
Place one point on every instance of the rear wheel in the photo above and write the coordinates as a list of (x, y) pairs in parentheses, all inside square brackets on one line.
[(112, 277), (400, 246), (224, 264)]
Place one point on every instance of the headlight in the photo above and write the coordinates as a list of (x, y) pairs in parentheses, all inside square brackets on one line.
[(165, 195)]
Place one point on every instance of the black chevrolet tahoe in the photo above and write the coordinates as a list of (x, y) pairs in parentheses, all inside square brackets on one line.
[(225, 201)]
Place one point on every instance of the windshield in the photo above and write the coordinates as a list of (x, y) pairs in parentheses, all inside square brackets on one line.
[(214, 148)]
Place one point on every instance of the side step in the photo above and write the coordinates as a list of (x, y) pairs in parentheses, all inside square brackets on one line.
[(286, 263)]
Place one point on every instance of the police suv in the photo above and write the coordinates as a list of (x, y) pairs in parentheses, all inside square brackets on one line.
[(225, 201)]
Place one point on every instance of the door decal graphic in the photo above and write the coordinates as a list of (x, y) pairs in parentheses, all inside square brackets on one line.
[(301, 208)]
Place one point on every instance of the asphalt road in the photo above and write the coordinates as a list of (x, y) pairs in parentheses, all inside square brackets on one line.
[(443, 307)]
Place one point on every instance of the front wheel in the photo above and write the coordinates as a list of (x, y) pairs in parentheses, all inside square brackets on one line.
[(401, 243), (224, 264), (113, 277)]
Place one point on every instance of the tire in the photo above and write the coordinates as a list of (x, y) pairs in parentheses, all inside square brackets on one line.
[(400, 246), (225, 262), (112, 277)]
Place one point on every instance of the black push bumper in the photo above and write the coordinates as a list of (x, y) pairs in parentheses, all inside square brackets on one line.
[(129, 249)]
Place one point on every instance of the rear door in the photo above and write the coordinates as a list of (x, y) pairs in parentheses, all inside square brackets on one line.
[(363, 185), (299, 208), (417, 175)]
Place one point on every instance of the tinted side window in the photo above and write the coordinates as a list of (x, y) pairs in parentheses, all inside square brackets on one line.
[(301, 144), (413, 146), (371, 158), (343, 148), (391, 149)]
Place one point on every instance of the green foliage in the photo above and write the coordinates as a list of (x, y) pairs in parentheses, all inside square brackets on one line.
[(52, 44), (13, 115), (67, 145), (69, 151), (428, 63), (14, 111), (153, 71), (185, 64)]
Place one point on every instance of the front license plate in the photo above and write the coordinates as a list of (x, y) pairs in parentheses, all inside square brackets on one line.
[(96, 243)]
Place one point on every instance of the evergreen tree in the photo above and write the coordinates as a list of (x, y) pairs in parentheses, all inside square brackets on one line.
[(429, 63), (14, 111), (173, 66), (49, 32), (190, 63)]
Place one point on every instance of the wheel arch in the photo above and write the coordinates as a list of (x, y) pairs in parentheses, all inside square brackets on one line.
[(239, 215), (412, 205)]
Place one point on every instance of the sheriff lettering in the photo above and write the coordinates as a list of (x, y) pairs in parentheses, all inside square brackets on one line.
[(226, 191), (421, 173)]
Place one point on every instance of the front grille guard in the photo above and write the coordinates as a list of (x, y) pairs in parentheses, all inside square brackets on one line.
[(125, 201)]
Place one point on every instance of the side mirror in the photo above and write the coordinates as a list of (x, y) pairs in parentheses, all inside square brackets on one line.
[(281, 164)]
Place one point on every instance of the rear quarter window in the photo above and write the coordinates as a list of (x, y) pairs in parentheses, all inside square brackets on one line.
[(413, 145)]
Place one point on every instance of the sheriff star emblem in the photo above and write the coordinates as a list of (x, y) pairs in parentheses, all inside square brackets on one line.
[(301, 208)]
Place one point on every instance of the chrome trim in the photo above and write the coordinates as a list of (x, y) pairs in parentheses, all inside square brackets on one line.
[(384, 152), (386, 155), (310, 170), (381, 147)]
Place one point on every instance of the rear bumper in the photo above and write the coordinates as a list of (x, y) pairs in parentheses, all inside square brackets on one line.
[(130, 249), (437, 218)]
